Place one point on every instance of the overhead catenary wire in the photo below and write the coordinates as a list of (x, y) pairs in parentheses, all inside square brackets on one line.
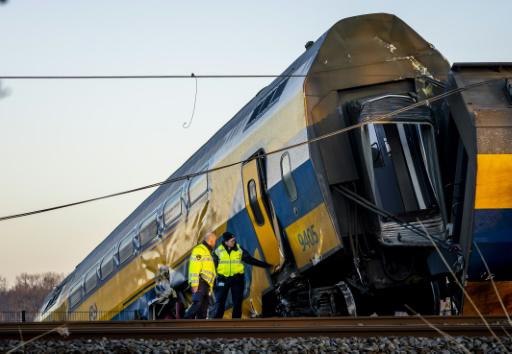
[(175, 76), (463, 289), (436, 328), (170, 76), (491, 278), (380, 119)]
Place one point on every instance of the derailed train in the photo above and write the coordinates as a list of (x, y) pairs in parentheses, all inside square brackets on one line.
[(349, 221)]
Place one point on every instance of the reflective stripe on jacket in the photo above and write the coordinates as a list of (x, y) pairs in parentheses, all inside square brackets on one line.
[(201, 266), (230, 263)]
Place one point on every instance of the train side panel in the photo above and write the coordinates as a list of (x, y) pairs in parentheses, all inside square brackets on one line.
[(483, 196), (126, 294)]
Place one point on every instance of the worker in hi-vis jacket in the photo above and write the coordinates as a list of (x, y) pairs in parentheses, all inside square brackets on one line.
[(229, 260), (201, 276)]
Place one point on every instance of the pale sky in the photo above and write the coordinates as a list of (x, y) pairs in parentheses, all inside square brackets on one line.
[(63, 141)]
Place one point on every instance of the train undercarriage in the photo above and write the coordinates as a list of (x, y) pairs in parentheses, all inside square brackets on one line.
[(378, 292)]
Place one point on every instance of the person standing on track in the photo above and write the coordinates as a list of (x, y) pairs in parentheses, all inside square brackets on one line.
[(229, 258), (201, 276)]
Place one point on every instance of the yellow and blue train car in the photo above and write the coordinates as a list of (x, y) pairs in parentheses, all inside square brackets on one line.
[(343, 219), (479, 130)]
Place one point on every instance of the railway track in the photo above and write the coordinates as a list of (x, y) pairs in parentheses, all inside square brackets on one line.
[(270, 327)]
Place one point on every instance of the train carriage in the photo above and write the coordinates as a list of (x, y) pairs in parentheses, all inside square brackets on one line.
[(347, 221), (478, 128)]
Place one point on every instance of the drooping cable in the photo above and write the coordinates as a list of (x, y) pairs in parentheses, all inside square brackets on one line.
[(366, 204), (381, 119), (491, 278), (187, 125)]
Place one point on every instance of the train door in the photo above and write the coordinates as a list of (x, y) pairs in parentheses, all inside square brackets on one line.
[(259, 209)]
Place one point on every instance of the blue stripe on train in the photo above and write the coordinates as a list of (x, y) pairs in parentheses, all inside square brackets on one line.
[(137, 310), (493, 233), (308, 197)]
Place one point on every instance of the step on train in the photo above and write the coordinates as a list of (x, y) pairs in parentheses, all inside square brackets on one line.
[(405, 178)]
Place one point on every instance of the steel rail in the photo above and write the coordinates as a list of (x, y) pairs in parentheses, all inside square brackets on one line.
[(268, 327)]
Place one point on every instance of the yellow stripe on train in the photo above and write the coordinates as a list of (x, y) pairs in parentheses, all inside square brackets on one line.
[(312, 236), (494, 181)]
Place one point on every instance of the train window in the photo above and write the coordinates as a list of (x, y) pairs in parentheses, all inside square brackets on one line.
[(75, 295), (126, 248), (52, 298), (401, 167), (148, 230), (107, 265), (91, 280), (278, 91), (197, 188), (173, 209), (286, 175), (267, 102), (253, 202)]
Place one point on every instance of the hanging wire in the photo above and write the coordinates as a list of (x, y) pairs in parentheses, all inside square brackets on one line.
[(380, 119), (495, 288), (463, 289), (437, 329), (187, 125)]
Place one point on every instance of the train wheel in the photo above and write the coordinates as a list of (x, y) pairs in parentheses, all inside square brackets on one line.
[(425, 299), (348, 296), (422, 298)]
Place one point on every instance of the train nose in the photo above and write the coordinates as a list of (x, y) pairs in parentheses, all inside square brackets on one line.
[(400, 162)]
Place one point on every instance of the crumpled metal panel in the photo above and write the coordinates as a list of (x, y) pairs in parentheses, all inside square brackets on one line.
[(358, 52), (375, 107), (371, 49)]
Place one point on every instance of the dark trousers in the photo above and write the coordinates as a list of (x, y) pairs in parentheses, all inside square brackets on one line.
[(200, 302), (236, 284)]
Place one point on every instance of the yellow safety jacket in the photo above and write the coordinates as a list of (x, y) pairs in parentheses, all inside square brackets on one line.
[(201, 266), (229, 263)]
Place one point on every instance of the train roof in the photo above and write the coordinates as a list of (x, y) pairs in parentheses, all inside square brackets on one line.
[(388, 24)]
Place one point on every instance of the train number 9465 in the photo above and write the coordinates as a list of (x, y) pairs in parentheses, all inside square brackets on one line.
[(308, 238)]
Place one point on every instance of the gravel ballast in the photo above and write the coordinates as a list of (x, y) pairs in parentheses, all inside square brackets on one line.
[(265, 345)]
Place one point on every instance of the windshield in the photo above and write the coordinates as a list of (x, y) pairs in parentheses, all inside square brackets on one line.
[(402, 180)]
